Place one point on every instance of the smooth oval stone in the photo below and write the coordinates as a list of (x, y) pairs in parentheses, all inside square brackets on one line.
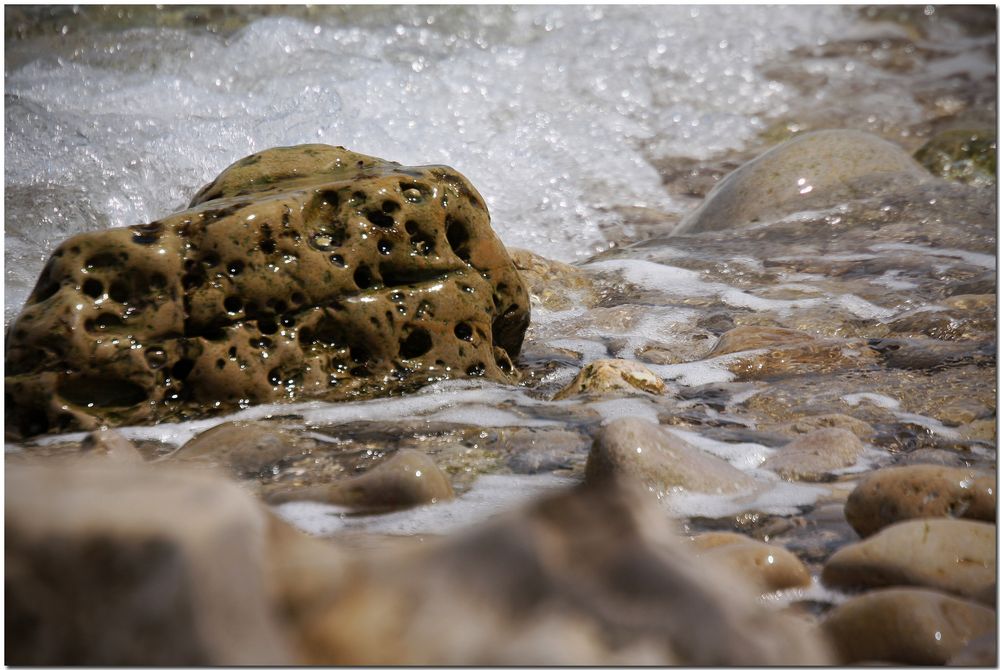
[(409, 477), (746, 338), (905, 625), (952, 555), (803, 173), (612, 376), (245, 447), (659, 461), (769, 567), (886, 496), (815, 454)]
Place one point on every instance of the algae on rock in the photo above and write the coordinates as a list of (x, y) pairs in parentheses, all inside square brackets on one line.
[(306, 271)]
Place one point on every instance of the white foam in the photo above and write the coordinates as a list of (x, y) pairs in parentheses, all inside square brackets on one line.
[(489, 495), (930, 423), (617, 408), (779, 497), (709, 371), (742, 455), (877, 399)]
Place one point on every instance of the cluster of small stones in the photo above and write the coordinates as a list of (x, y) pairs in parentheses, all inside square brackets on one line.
[(307, 271)]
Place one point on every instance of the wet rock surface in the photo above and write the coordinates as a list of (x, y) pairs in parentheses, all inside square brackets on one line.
[(299, 272), (905, 626), (815, 455), (771, 567), (920, 491)]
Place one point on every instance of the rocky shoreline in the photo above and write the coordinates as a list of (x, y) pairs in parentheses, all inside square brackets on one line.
[(769, 432)]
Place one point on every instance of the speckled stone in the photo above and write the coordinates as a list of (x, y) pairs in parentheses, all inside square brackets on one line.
[(612, 376)]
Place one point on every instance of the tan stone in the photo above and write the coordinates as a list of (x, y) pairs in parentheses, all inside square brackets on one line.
[(952, 555), (131, 565), (889, 495), (408, 477), (591, 576), (244, 447), (659, 461), (814, 455), (807, 424), (746, 338), (809, 171), (612, 376), (305, 271), (770, 567), (552, 283), (905, 626), (973, 301)]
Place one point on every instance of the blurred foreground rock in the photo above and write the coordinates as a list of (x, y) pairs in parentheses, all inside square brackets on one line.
[(149, 566)]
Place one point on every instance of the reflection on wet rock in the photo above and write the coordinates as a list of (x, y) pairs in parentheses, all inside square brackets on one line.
[(769, 566)]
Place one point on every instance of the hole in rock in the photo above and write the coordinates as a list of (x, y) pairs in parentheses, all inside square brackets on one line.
[(268, 246), (416, 344), (359, 354), (234, 267), (100, 391), (381, 219), (93, 288), (274, 376), (390, 206), (337, 259), (158, 281), (463, 331), (119, 292), (363, 277), (233, 304), (251, 310), (156, 357), (211, 259), (190, 281), (267, 326), (298, 298), (477, 370), (458, 237), (220, 363), (105, 260), (182, 368), (384, 247)]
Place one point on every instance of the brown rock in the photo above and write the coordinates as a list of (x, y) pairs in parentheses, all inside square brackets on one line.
[(659, 461), (612, 376), (408, 477), (300, 271), (905, 625), (815, 454), (126, 565), (886, 496), (244, 447), (770, 567), (591, 576), (952, 555), (807, 424)]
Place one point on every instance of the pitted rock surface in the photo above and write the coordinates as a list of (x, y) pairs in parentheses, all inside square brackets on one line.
[(307, 271)]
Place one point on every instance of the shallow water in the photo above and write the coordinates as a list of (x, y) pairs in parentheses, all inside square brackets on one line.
[(590, 132)]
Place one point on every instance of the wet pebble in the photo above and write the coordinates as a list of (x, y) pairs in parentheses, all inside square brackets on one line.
[(613, 376), (905, 625), (409, 477), (746, 338), (659, 461), (244, 447), (770, 567), (815, 454), (889, 495), (952, 555)]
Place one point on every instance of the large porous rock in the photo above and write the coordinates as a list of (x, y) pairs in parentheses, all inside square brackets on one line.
[(814, 455), (810, 171), (639, 451), (136, 566), (905, 626), (592, 576), (886, 496), (300, 271), (952, 555)]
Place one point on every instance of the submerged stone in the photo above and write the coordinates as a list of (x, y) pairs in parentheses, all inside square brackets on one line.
[(810, 171), (965, 155), (307, 271)]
